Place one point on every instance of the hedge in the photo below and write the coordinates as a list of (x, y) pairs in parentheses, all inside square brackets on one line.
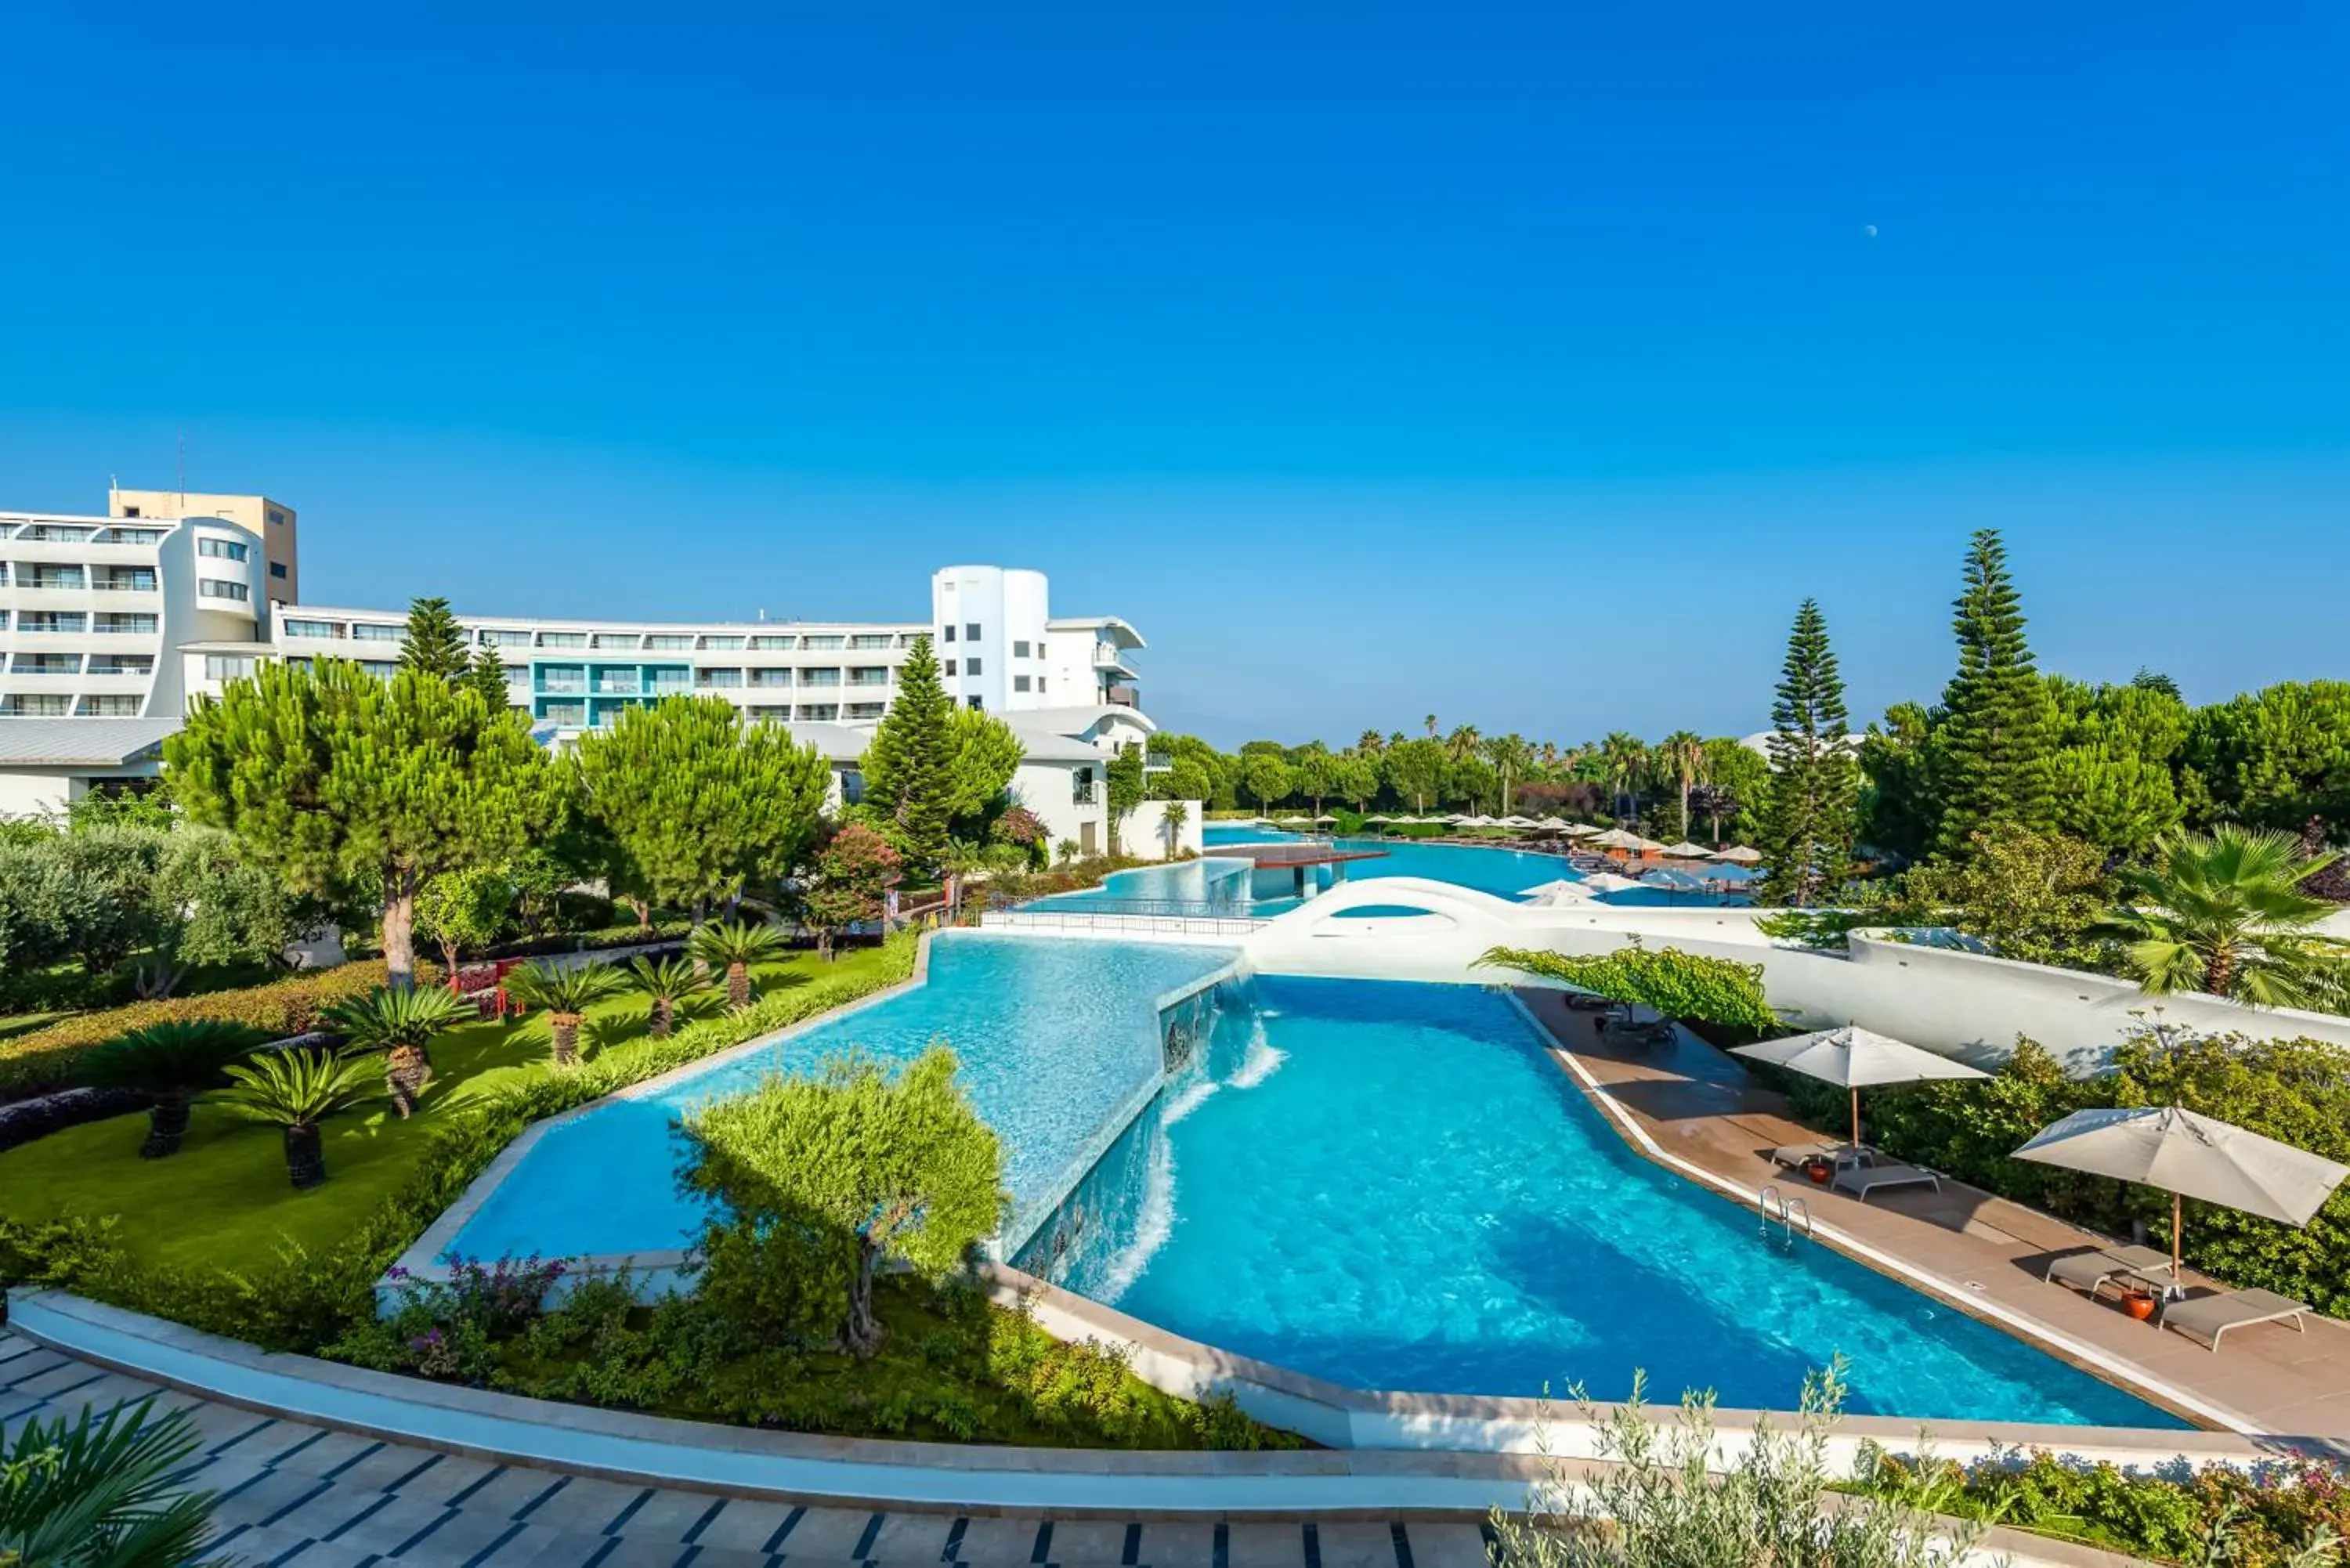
[(44, 1058), (1672, 984), (305, 1300)]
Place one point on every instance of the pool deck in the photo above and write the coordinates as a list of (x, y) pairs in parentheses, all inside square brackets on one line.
[(1984, 1253)]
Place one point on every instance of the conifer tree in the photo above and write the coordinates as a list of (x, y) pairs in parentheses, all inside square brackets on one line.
[(1992, 749), (340, 781), (1812, 813), (487, 675), (436, 643), (908, 769)]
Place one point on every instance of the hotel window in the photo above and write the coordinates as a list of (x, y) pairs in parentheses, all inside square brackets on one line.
[(277, 517), (971, 631), (311, 629), (51, 620), (1020, 650), (214, 588), (37, 705), (719, 677), (973, 701), (122, 621), (950, 667), (572, 713), (496, 639), (970, 667), (820, 676), (768, 643), (562, 640), (119, 706), (823, 642), (618, 639), (47, 664), (364, 632), (820, 712), (137, 536), (948, 633), (222, 549), (852, 787), (276, 568), (227, 666), (722, 644), (867, 709), (771, 678), (381, 669), (122, 664), (40, 575), (772, 714), (1020, 683), (56, 533), (869, 639)]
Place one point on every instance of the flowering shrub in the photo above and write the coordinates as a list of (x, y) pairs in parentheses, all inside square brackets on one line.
[(448, 1329), (45, 1058), (1019, 825)]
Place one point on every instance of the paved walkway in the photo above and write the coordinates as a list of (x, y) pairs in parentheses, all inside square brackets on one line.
[(1701, 1106), (291, 1493)]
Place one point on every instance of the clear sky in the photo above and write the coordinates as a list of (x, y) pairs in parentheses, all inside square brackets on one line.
[(1521, 364)]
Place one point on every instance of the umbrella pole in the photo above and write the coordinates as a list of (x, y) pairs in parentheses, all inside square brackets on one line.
[(2178, 1205), (1856, 1118)]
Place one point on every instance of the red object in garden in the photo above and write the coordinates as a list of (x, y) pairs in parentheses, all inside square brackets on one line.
[(2138, 1304), (1817, 1170)]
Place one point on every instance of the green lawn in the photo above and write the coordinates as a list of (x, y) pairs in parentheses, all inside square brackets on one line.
[(227, 1186)]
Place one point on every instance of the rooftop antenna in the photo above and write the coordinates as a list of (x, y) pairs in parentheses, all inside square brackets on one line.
[(183, 471)]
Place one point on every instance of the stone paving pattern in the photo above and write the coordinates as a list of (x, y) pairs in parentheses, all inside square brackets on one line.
[(1701, 1106), (291, 1493)]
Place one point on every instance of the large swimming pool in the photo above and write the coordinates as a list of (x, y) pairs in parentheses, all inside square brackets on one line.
[(1057, 1040), (1392, 1186)]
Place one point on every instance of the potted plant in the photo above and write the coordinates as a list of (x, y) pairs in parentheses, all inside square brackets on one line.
[(174, 1062), (2139, 1305), (296, 1090)]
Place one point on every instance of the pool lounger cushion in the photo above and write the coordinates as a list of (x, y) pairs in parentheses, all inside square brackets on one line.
[(1861, 1180), (2090, 1271), (2209, 1318), (1796, 1153)]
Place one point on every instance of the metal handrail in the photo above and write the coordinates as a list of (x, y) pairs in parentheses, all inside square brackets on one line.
[(1788, 1207)]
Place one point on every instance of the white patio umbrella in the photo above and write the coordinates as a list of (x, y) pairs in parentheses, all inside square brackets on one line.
[(1552, 895), (1555, 824), (1456, 820), (1618, 838), (2192, 1156), (1855, 1059), (1580, 830), (1519, 822), (1685, 850), (1739, 855), (1608, 882), (1478, 821)]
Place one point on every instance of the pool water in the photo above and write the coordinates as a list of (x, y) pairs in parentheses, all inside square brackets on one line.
[(1056, 1038), (1392, 1186)]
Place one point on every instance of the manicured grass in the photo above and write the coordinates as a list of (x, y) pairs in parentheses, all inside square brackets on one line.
[(224, 1199), (17, 1024)]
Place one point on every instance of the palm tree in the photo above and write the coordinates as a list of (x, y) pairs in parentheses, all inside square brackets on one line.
[(174, 1062), (566, 992), (1370, 743), (1681, 754), (296, 1089), (1623, 767), (665, 983), (735, 946), (108, 1490), (1462, 741), (1170, 826), (1431, 722), (1510, 757), (2225, 914), (401, 1024)]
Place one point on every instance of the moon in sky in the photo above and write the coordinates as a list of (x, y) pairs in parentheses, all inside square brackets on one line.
[(1870, 229)]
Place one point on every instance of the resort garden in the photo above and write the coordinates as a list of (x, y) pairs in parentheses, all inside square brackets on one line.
[(191, 1129)]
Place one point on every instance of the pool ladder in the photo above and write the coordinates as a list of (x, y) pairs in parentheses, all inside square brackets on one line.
[(1787, 1208)]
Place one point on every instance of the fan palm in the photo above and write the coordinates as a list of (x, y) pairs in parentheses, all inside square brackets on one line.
[(108, 1490), (735, 946), (2225, 914), (174, 1062), (665, 983), (400, 1022), (296, 1090), (566, 992), (1681, 756)]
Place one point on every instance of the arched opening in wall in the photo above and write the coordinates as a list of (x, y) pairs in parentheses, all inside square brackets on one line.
[(1373, 920)]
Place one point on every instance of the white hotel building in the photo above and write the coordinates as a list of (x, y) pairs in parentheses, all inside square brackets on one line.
[(112, 626)]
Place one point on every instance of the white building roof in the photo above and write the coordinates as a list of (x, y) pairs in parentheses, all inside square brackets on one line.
[(1045, 745), (1109, 626), (1077, 721), (80, 743)]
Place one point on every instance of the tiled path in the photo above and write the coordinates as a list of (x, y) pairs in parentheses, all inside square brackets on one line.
[(298, 1494), (1700, 1106)]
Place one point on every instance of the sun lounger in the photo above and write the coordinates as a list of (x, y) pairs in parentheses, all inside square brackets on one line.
[(2209, 1318), (1799, 1154), (1860, 1181), (2090, 1271)]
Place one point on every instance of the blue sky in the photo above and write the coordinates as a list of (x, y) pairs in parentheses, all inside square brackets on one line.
[(1525, 365)]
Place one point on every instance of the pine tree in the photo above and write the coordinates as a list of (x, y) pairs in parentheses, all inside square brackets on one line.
[(1809, 820), (487, 675), (909, 767), (1993, 750), (436, 643)]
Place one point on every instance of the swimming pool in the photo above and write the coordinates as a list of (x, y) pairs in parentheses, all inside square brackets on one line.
[(1056, 1039), (1392, 1186), (1221, 886)]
